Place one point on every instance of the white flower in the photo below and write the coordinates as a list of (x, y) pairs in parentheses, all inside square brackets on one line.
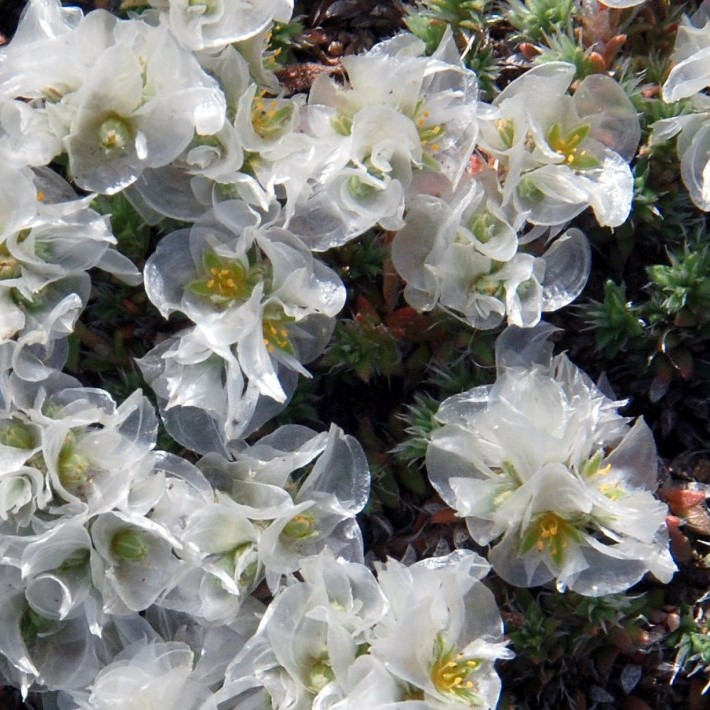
[(120, 96), (299, 516), (464, 257), (202, 24), (561, 154), (261, 304), (400, 117), (543, 459), (442, 632), (147, 675)]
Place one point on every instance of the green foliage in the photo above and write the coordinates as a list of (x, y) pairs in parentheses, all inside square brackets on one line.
[(558, 638), (364, 346), (692, 643), (420, 422), (615, 320), (536, 19), (283, 39), (429, 18), (482, 59), (129, 228), (682, 288), (363, 258), (563, 47)]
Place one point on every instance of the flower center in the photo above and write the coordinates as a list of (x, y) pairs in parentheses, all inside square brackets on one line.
[(429, 134), (451, 671), (73, 466), (204, 7), (18, 435), (114, 133), (552, 533), (268, 117), (129, 545), (228, 281), (301, 526), (569, 146), (320, 675)]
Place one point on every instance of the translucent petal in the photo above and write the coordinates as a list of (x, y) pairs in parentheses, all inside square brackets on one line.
[(567, 265)]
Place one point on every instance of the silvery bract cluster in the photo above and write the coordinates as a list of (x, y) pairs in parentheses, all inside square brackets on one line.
[(542, 466), (134, 577)]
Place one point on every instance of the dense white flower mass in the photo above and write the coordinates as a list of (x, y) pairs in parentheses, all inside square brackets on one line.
[(542, 465), (234, 575)]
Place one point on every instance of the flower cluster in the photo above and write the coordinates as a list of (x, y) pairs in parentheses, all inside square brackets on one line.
[(542, 465), (341, 639)]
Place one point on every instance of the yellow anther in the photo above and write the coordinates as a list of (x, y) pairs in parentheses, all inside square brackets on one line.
[(40, 196), (435, 147), (421, 122), (214, 272), (210, 283), (605, 470), (230, 283)]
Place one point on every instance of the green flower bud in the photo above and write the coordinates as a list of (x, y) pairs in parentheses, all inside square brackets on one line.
[(319, 676), (33, 625), (114, 133), (18, 435), (73, 465), (128, 544), (300, 527)]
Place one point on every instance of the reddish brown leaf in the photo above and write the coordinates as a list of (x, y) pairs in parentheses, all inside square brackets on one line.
[(445, 517), (680, 547)]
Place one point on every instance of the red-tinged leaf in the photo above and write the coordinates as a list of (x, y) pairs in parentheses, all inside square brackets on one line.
[(688, 505), (366, 312), (407, 323), (681, 498), (612, 47), (596, 62), (682, 360), (680, 547), (528, 50), (447, 516)]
